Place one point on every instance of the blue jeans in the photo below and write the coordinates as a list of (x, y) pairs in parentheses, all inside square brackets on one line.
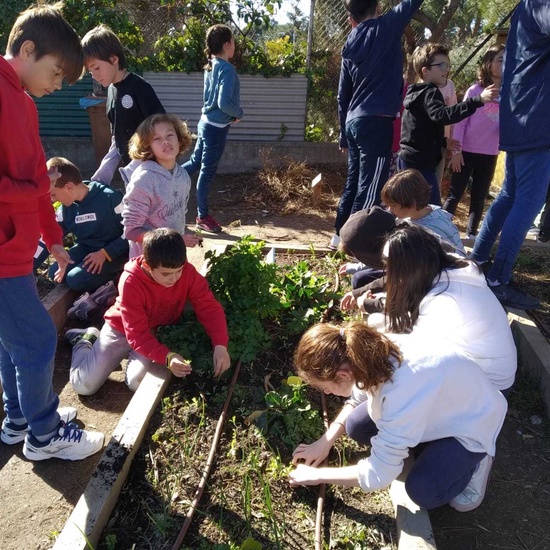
[(442, 468), (27, 349), (206, 156), (513, 211), (369, 157), (430, 176)]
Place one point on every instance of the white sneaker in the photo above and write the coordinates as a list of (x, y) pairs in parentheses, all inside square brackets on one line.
[(82, 307), (104, 293), (15, 433), (72, 443), (75, 335), (533, 231), (334, 242), (474, 493)]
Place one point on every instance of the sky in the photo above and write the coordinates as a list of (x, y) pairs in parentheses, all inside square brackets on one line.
[(281, 17)]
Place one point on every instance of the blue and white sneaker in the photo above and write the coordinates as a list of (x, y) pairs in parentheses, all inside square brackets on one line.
[(82, 307), (75, 335), (71, 443), (104, 293), (15, 433)]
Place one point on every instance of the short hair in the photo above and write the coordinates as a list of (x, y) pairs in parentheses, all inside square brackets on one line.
[(102, 43), (69, 172), (46, 28), (140, 142), (359, 10), (407, 189), (484, 76), (216, 37), (164, 248), (425, 54)]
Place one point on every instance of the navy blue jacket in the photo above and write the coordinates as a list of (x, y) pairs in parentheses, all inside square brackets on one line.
[(371, 78), (525, 88)]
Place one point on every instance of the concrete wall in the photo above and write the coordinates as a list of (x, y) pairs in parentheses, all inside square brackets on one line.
[(239, 156)]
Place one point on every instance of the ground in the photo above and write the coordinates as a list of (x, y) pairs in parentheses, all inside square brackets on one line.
[(37, 498)]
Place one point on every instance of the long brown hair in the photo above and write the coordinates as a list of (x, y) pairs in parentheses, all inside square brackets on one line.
[(216, 37), (484, 76), (415, 262), (324, 348)]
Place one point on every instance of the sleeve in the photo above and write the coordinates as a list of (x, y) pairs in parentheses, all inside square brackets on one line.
[(541, 14), (49, 228), (225, 93), (148, 101), (400, 15), (376, 286), (345, 91), (118, 246), (460, 128), (448, 114), (104, 174), (357, 397), (136, 208)]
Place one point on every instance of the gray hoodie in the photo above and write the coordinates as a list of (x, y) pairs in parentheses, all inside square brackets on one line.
[(155, 197)]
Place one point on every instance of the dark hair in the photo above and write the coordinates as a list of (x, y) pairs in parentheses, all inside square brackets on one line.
[(46, 28), (407, 189), (415, 263), (359, 10), (102, 43), (164, 248), (425, 54), (69, 172), (216, 37), (484, 76), (139, 147), (325, 348)]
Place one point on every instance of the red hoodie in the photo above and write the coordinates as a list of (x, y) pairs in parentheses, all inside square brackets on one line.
[(25, 207), (143, 305)]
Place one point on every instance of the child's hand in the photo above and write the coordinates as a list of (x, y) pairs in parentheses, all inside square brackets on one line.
[(191, 240), (179, 366), (63, 259), (348, 302), (490, 93), (453, 144), (304, 475), (343, 270), (93, 262), (221, 360), (457, 162)]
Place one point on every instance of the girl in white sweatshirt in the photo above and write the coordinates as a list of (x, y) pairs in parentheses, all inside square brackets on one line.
[(404, 391)]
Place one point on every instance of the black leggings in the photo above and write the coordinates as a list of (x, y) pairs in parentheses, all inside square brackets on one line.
[(481, 168)]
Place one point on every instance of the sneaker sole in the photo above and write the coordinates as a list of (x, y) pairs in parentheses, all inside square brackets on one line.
[(214, 231), (473, 505), (37, 454)]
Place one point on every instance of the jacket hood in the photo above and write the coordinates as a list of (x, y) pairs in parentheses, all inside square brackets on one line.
[(469, 275), (416, 91), (139, 165), (364, 234), (359, 42)]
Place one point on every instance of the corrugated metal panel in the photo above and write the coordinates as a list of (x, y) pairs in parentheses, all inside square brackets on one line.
[(60, 114), (274, 108)]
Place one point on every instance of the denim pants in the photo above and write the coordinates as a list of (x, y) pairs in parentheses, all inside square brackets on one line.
[(513, 211), (27, 349), (442, 468), (206, 156), (92, 365), (430, 176), (369, 157)]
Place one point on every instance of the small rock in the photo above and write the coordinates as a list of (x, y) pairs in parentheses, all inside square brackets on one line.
[(536, 420)]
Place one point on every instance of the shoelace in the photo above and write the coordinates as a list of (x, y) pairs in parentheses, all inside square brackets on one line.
[(71, 432)]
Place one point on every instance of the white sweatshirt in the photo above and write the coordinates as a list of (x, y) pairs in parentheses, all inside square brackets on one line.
[(435, 393)]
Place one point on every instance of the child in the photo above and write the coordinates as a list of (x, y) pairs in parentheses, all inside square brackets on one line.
[(445, 297), (42, 50), (407, 195), (154, 289), (369, 98), (157, 187), (130, 99), (404, 391), (425, 115), (477, 136), (221, 108), (91, 212)]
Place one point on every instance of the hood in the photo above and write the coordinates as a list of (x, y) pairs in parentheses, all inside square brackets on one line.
[(7, 72), (469, 275), (139, 165), (360, 40), (364, 234), (416, 91), (94, 189)]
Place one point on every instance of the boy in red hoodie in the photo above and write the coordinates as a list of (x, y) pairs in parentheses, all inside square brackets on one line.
[(153, 291), (42, 50)]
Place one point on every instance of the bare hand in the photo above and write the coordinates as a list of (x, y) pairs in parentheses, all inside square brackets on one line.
[(457, 162), (304, 475), (343, 270), (348, 302), (191, 240), (313, 454), (179, 366), (222, 361), (63, 259), (454, 144), (93, 262), (490, 93)]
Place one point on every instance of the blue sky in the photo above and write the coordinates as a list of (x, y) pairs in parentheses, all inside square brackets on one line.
[(287, 6)]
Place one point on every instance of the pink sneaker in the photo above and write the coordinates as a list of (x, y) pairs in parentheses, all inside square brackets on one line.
[(209, 224)]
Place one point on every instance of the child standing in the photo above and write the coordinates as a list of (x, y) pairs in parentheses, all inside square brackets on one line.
[(478, 138), (157, 186), (221, 108), (403, 391), (42, 50), (130, 99), (426, 115), (407, 195), (154, 289)]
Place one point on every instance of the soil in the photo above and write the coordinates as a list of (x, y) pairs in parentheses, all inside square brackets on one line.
[(38, 497)]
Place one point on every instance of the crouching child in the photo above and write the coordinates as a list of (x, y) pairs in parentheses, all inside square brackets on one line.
[(153, 291)]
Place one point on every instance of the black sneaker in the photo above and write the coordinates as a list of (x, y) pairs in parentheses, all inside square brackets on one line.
[(511, 297), (543, 237)]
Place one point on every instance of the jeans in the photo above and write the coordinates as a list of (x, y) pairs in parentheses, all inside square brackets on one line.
[(481, 168), (92, 365), (430, 176), (513, 211), (27, 349), (442, 468), (206, 156), (369, 157)]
